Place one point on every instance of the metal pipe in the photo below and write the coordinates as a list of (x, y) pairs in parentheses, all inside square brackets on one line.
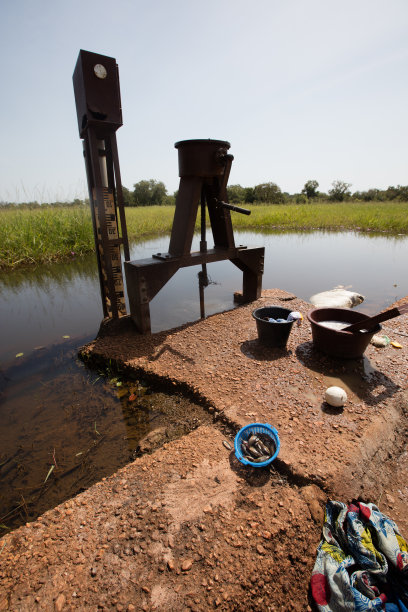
[(238, 209)]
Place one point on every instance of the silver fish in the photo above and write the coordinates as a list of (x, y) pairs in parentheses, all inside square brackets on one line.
[(254, 451), (261, 459), (256, 444), (262, 447), (269, 442)]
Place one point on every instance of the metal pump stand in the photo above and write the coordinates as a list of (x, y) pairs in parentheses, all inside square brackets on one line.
[(204, 168), (98, 105)]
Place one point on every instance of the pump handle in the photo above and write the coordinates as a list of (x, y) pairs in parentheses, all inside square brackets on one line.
[(238, 209)]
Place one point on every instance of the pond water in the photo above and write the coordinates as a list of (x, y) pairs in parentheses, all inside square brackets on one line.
[(65, 426), (40, 306)]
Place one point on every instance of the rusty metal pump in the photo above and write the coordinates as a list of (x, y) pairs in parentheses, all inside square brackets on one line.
[(204, 168)]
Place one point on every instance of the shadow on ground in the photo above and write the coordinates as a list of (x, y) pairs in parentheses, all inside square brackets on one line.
[(370, 385), (257, 351)]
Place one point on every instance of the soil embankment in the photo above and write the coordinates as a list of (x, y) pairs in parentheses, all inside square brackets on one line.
[(188, 527)]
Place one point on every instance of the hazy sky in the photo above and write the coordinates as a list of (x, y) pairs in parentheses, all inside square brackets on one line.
[(302, 89)]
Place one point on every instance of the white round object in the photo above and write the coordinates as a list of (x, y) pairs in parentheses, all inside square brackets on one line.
[(100, 71), (335, 396)]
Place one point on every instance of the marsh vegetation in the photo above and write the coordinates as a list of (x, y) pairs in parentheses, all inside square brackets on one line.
[(41, 234)]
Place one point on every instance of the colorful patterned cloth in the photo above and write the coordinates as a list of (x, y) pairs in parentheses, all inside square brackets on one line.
[(362, 561)]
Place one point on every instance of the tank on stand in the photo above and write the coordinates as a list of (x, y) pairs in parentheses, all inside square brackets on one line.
[(204, 168)]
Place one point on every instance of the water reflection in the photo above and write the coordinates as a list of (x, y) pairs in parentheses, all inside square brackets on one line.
[(64, 427), (39, 306)]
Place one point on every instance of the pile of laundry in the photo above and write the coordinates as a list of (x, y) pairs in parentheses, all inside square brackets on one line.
[(362, 561)]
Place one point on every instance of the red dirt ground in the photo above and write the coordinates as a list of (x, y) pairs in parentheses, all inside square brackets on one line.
[(188, 527)]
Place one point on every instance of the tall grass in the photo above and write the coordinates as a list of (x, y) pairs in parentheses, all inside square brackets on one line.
[(46, 234), (148, 221), (40, 235), (383, 217)]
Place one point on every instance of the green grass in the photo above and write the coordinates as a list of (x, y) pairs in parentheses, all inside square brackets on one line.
[(31, 236), (382, 217), (148, 221), (40, 235)]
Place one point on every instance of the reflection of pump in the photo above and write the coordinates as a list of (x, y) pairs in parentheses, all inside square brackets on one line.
[(97, 98), (203, 282)]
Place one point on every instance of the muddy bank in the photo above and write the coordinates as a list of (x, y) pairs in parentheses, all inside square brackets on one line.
[(188, 527)]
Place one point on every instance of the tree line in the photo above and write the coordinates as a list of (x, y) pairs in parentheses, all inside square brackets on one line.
[(152, 192)]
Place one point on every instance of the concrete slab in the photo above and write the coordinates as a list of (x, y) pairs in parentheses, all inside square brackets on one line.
[(221, 360)]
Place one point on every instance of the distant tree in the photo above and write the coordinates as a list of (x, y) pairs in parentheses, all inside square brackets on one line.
[(249, 196), (301, 198), (340, 191), (403, 192), (396, 193), (391, 193), (169, 200), (236, 194), (369, 196), (127, 196), (148, 193), (268, 193), (310, 189)]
